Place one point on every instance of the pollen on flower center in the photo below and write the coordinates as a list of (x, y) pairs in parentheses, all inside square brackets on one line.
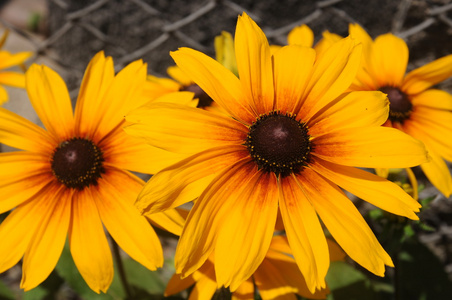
[(204, 99), (279, 143), (400, 106), (77, 163)]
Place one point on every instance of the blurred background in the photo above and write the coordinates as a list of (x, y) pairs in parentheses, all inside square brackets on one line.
[(65, 34)]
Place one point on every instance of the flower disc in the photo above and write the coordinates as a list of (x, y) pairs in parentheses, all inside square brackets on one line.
[(77, 163), (279, 143), (400, 106)]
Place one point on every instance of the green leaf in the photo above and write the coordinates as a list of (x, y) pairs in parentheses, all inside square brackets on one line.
[(68, 271), (143, 278), (5, 292), (37, 293), (375, 214), (347, 283), (47, 290), (408, 231)]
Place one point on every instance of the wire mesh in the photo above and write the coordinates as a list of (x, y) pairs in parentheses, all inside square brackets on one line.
[(149, 29)]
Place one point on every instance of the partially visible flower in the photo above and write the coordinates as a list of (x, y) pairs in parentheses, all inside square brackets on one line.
[(304, 36), (180, 81), (72, 178), (8, 60), (277, 276), (415, 108), (288, 138)]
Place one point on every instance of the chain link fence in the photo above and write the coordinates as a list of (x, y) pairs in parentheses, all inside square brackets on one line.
[(149, 29)]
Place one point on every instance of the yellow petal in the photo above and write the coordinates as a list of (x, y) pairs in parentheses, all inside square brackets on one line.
[(3, 95), (18, 132), (281, 279), (328, 39), (180, 76), (88, 243), (50, 98), (126, 152), (4, 37), (8, 59), (224, 51), (176, 284), (333, 73), (217, 81), (357, 32), (365, 79), (388, 60), (185, 180), (204, 222), (48, 241), (96, 81), (245, 291), (169, 220), (433, 98), (204, 289), (123, 95), (184, 98), (17, 230), (428, 75), (345, 223), (22, 176), (370, 147), (292, 69), (336, 253), (124, 222), (12, 79), (369, 187), (184, 129), (246, 232), (438, 173), (301, 35), (254, 64), (304, 232), (355, 109), (433, 127)]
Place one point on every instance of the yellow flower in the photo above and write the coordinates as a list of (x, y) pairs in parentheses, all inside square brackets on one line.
[(10, 78), (277, 276), (288, 139), (72, 180), (180, 81), (415, 108), (303, 36)]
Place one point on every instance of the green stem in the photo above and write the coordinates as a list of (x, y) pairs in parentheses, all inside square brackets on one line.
[(121, 270)]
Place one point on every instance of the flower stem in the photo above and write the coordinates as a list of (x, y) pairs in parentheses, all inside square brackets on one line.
[(121, 270)]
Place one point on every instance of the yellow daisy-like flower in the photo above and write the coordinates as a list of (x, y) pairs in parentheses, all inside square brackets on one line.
[(288, 139), (180, 81), (278, 276), (304, 36), (10, 78), (72, 179), (415, 108)]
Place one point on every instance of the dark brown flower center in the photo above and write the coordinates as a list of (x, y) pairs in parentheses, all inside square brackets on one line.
[(400, 106), (279, 143), (77, 163), (204, 99)]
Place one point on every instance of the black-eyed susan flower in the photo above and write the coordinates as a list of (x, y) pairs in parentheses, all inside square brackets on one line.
[(8, 60), (71, 178), (288, 139), (277, 277), (415, 108)]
